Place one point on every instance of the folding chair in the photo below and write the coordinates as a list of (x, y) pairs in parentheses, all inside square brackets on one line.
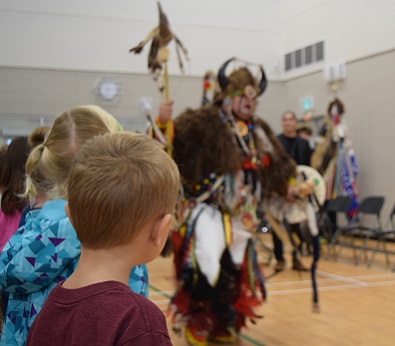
[(369, 206), (382, 233), (367, 218), (339, 206)]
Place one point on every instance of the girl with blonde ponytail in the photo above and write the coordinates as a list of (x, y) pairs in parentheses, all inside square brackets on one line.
[(46, 249)]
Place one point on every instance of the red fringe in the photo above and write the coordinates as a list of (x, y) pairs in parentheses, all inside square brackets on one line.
[(249, 295)]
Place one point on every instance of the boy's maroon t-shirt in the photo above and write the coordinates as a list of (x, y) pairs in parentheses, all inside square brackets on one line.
[(106, 313)]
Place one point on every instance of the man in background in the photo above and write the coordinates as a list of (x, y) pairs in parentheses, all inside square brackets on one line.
[(299, 149)]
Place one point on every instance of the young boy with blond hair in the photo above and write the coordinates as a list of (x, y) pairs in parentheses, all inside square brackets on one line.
[(122, 190)]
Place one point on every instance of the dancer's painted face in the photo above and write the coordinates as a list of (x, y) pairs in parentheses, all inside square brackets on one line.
[(243, 107)]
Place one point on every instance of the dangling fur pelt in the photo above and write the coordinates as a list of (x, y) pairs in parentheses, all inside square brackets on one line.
[(203, 144), (274, 178)]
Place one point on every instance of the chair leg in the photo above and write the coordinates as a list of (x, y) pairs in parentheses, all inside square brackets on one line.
[(363, 248), (375, 250), (340, 246), (387, 256), (332, 245), (354, 249)]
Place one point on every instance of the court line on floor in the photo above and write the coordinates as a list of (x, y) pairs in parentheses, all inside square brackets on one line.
[(330, 277), (308, 290), (341, 278), (384, 275), (331, 288), (303, 281), (296, 283), (353, 283), (167, 293)]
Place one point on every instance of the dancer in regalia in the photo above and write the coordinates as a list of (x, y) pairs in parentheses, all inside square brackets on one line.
[(228, 159), (334, 157)]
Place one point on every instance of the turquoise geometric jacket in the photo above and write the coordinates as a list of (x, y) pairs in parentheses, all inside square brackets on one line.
[(41, 253)]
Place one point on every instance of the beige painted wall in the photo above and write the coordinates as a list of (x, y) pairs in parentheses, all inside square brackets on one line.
[(26, 95), (369, 97), (368, 94)]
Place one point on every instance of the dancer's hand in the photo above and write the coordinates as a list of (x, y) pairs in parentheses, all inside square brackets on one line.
[(291, 193), (165, 111), (306, 188)]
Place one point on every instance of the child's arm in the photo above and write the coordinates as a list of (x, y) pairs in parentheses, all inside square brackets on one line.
[(34, 258)]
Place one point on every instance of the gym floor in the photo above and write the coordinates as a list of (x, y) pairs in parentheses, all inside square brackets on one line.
[(357, 303)]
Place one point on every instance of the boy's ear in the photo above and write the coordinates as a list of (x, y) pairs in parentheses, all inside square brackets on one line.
[(161, 229), (67, 210)]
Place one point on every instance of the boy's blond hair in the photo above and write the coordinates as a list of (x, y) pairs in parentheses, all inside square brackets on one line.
[(48, 164), (118, 183)]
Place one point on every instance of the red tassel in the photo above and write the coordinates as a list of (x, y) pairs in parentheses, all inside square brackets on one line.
[(247, 296), (265, 160), (181, 301), (247, 164)]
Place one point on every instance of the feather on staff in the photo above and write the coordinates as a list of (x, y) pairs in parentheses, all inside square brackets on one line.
[(161, 36)]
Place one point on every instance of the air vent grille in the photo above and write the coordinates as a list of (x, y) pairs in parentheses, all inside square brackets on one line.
[(305, 56)]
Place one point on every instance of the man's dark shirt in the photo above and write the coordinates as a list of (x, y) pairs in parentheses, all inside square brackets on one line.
[(297, 147)]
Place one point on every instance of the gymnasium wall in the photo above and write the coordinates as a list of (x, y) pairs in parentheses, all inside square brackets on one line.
[(53, 54), (368, 94)]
